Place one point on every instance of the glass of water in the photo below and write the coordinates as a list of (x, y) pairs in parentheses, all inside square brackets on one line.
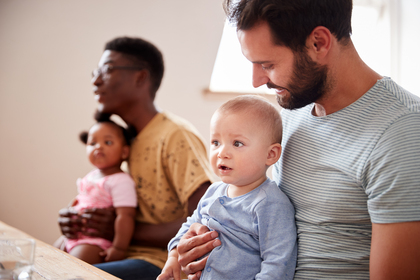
[(16, 258)]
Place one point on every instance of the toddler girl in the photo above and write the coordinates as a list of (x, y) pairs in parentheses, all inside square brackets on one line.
[(107, 146)]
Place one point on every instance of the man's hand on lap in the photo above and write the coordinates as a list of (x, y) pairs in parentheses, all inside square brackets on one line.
[(99, 222)]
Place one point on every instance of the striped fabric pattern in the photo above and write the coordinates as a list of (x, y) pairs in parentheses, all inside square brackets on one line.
[(347, 170)]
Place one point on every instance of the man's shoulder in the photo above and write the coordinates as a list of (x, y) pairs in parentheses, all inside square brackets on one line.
[(173, 123), (390, 92), (168, 125), (169, 131)]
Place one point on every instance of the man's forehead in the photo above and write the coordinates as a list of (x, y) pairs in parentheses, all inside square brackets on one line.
[(255, 42)]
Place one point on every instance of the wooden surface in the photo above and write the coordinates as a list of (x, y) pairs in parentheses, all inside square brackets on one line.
[(54, 264)]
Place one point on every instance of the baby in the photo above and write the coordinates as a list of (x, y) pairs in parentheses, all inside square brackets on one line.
[(254, 218), (107, 146)]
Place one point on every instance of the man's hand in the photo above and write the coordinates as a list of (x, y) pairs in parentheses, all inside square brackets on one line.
[(197, 242), (70, 222), (98, 222)]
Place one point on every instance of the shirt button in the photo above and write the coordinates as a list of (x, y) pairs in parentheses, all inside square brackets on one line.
[(208, 269), (221, 201)]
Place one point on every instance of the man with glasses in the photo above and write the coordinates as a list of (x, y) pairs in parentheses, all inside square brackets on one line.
[(168, 159)]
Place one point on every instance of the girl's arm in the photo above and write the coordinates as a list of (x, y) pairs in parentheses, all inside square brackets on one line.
[(124, 228)]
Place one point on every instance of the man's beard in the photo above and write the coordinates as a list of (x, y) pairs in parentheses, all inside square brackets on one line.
[(307, 84)]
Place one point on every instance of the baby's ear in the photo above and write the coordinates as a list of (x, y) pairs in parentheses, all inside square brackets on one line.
[(274, 152), (125, 152)]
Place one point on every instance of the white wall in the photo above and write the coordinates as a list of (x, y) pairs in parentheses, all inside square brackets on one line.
[(48, 49)]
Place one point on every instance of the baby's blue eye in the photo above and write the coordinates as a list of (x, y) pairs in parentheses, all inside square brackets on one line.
[(238, 144), (108, 142)]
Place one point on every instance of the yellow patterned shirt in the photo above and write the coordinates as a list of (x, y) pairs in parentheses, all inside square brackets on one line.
[(168, 161)]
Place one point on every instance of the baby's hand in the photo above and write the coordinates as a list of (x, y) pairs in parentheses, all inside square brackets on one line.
[(113, 254), (171, 270)]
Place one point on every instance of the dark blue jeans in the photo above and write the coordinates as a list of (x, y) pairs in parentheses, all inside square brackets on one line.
[(131, 269)]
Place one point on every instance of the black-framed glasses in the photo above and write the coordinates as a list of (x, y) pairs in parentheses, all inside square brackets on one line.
[(106, 69)]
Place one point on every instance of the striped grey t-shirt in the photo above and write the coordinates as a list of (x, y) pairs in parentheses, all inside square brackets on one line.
[(344, 171)]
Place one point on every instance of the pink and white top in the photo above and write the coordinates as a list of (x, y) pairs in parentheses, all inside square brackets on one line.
[(117, 190)]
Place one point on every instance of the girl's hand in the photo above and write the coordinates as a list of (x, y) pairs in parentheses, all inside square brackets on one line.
[(113, 254)]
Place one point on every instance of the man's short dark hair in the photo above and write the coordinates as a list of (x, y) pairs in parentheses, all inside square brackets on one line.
[(292, 21), (142, 53)]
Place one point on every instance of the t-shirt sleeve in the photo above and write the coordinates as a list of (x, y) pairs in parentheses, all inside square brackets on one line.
[(392, 175), (185, 163), (122, 189)]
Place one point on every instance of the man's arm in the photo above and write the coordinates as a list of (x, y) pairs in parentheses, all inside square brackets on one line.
[(159, 235), (395, 251)]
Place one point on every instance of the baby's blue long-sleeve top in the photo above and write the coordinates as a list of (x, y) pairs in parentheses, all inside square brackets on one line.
[(257, 231)]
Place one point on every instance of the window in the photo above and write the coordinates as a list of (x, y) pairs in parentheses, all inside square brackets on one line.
[(232, 72)]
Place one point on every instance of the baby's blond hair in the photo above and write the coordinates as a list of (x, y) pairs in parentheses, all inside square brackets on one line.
[(261, 108)]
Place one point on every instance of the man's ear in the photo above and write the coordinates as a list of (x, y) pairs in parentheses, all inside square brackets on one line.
[(142, 76), (125, 152), (319, 42), (274, 152)]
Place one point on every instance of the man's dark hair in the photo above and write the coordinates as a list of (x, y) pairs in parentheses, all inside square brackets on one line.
[(142, 53), (292, 21)]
